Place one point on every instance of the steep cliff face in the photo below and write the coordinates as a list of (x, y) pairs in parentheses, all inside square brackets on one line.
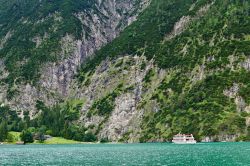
[(149, 69), (100, 22), (119, 84)]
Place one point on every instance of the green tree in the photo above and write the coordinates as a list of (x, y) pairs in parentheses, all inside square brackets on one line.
[(3, 131), (27, 136), (89, 137), (248, 134), (10, 138), (41, 134)]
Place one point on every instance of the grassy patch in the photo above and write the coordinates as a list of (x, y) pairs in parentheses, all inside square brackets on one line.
[(14, 136), (59, 140)]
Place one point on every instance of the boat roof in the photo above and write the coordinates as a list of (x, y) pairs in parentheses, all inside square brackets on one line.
[(184, 134)]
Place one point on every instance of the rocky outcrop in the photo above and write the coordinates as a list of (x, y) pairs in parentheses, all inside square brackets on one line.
[(181, 25), (220, 138), (198, 73), (6, 37), (233, 91), (125, 118), (118, 123), (246, 64), (239, 101)]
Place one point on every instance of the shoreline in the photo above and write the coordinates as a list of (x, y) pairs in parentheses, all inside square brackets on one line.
[(113, 143)]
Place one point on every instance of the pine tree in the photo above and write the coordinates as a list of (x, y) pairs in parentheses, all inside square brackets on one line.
[(3, 131), (27, 136)]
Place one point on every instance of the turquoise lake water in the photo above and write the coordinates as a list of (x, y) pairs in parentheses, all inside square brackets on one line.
[(221, 154)]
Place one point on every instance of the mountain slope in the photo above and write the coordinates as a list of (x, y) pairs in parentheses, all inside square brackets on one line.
[(181, 66), (203, 56), (44, 42)]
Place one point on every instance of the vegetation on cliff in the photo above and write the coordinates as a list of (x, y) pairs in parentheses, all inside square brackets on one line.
[(206, 58)]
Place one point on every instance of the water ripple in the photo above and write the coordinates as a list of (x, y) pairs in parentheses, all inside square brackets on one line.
[(214, 154)]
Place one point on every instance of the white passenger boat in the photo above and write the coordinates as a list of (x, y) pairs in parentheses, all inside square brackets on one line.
[(184, 139)]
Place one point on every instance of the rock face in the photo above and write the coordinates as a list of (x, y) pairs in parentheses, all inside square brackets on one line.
[(179, 27), (101, 25), (220, 138), (184, 21), (118, 123), (125, 117), (6, 37), (246, 64), (233, 93)]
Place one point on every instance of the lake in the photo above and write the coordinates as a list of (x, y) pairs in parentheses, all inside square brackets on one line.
[(221, 154)]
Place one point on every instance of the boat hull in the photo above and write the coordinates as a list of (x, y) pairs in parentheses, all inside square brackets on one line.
[(191, 142)]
